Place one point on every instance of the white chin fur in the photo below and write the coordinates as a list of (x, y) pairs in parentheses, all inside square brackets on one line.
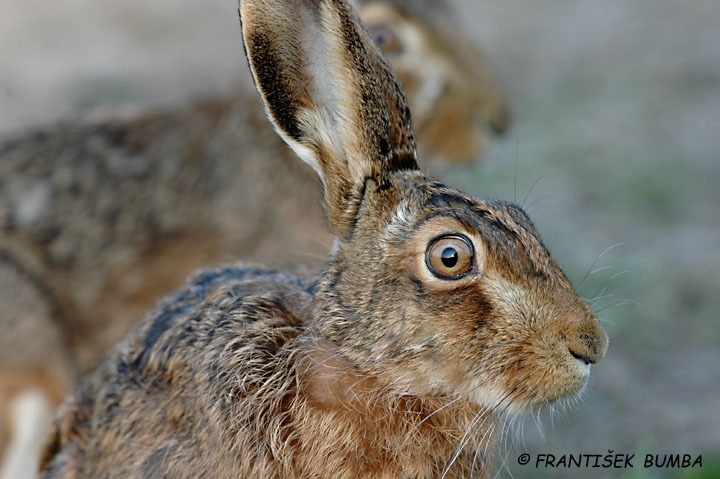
[(496, 399)]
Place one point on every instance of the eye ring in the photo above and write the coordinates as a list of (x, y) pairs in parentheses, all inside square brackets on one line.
[(450, 257)]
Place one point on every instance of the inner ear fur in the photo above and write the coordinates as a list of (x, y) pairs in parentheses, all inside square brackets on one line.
[(330, 95)]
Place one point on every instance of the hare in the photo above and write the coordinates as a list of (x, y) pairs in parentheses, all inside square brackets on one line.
[(103, 215), (447, 81), (436, 315)]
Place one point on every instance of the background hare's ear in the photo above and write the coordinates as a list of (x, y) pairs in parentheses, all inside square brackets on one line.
[(330, 95)]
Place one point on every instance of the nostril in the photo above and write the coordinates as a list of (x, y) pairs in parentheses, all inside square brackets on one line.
[(581, 357)]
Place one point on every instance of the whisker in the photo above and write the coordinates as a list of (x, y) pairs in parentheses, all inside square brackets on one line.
[(535, 183), (601, 268), (484, 415), (604, 286), (488, 433), (594, 300), (417, 426), (529, 207), (532, 211), (494, 412), (592, 266), (517, 147), (624, 302)]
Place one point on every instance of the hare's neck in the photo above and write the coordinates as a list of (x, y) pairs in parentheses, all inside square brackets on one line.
[(390, 434)]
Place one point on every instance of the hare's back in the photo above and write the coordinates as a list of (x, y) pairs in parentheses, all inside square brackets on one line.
[(213, 359)]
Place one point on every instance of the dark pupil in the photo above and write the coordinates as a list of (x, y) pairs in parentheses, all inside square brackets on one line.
[(449, 257)]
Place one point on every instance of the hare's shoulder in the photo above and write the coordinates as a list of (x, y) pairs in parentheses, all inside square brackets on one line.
[(236, 305), (221, 324), (221, 320), (210, 345)]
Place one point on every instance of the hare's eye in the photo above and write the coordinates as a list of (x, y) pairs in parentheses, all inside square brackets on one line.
[(385, 39), (450, 257)]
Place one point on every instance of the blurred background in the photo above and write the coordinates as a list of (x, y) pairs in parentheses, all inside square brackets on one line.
[(614, 151)]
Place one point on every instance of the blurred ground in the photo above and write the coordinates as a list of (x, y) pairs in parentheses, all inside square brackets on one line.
[(616, 142)]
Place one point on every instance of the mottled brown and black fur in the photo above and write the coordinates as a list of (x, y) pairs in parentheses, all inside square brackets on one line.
[(102, 215), (380, 368)]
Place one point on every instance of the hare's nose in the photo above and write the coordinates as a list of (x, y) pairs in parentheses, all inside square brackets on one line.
[(591, 343)]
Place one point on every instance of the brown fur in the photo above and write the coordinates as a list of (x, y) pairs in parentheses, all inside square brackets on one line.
[(379, 368), (105, 215), (334, 417)]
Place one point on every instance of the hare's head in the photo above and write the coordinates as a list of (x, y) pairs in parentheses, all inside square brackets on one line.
[(455, 95), (430, 290)]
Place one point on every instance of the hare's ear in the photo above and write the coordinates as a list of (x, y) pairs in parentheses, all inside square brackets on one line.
[(330, 95)]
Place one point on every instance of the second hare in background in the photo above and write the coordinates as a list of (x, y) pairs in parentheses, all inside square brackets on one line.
[(437, 314), (453, 93)]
